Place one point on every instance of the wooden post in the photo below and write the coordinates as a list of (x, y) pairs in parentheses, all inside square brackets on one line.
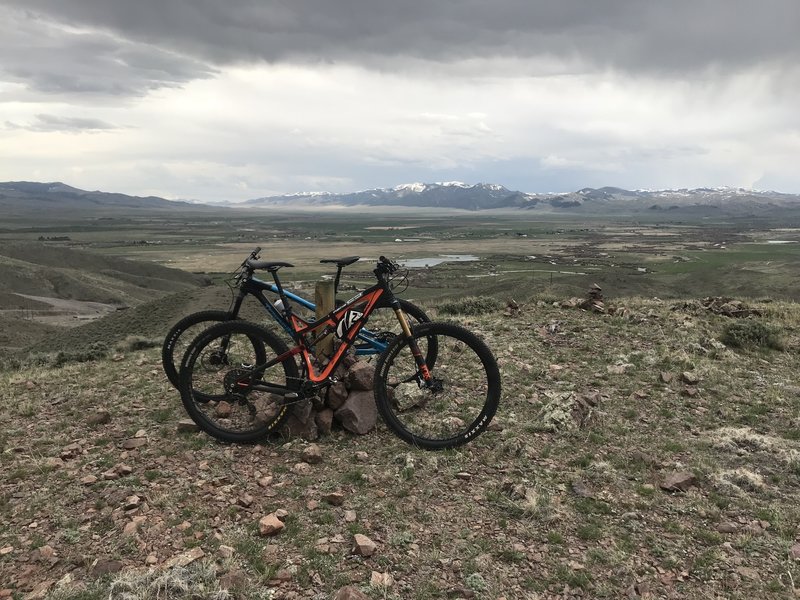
[(324, 298)]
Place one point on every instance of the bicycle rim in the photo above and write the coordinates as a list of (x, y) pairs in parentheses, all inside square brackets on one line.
[(458, 404), (221, 377)]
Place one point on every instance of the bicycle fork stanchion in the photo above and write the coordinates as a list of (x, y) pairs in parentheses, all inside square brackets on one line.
[(412, 343)]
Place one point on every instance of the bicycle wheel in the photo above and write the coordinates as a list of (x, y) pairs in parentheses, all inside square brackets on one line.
[(225, 387), (181, 334), (383, 327), (455, 406)]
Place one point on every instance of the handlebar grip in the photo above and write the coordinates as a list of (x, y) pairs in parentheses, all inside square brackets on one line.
[(255, 252)]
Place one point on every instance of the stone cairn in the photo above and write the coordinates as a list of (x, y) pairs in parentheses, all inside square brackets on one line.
[(594, 301), (349, 403)]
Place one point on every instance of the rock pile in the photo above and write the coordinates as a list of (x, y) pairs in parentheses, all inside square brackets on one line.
[(719, 305), (593, 302), (350, 403)]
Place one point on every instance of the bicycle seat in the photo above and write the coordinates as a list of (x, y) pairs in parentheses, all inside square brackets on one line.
[(268, 265), (341, 262)]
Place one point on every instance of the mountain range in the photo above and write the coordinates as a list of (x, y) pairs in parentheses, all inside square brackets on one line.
[(590, 200), (18, 198)]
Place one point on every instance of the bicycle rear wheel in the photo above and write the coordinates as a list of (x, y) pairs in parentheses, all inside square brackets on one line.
[(459, 401), (225, 387), (180, 336)]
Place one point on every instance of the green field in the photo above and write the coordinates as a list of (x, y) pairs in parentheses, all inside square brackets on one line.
[(519, 255)]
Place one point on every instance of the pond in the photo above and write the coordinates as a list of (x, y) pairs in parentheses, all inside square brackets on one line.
[(437, 260)]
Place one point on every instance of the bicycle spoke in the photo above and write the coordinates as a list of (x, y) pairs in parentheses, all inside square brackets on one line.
[(227, 389), (454, 405)]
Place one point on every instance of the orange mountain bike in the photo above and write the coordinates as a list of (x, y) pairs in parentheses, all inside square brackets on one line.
[(431, 400)]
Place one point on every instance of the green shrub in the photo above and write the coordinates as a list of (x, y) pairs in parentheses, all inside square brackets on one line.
[(137, 342), (751, 335), (471, 305)]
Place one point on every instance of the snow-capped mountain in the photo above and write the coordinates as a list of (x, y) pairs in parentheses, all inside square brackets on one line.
[(483, 196), (450, 194), (32, 197)]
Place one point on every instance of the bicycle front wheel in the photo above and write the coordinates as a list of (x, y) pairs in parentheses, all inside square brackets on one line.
[(456, 404), (383, 327), (226, 388)]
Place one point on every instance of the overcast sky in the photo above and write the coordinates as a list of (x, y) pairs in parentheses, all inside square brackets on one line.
[(232, 100)]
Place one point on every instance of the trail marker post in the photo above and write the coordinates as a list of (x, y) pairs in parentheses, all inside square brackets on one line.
[(324, 298)]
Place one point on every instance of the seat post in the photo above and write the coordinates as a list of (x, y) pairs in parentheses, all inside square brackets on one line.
[(336, 281), (284, 300)]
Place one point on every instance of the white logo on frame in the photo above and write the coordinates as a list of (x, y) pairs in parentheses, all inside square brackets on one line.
[(350, 317)]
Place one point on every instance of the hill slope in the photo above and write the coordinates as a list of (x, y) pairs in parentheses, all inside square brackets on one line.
[(20, 198), (562, 498), (41, 270)]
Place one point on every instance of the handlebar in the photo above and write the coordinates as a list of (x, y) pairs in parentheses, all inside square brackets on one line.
[(253, 256), (385, 266)]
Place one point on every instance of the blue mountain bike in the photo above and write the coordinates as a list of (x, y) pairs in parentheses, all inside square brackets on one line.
[(383, 325)]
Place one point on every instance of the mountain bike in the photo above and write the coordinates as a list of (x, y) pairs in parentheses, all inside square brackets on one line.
[(238, 379), (370, 341)]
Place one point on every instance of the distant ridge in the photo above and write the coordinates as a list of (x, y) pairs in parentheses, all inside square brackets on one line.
[(483, 196), (24, 197)]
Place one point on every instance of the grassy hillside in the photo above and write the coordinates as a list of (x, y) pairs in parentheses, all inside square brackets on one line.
[(55, 271), (562, 498), (150, 320)]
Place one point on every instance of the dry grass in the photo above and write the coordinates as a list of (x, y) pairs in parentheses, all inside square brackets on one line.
[(530, 509)]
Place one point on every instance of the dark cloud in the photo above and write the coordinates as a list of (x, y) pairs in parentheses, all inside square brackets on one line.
[(54, 58), (630, 35), (51, 123)]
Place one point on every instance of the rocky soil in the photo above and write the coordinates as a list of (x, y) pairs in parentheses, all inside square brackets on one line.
[(634, 455)]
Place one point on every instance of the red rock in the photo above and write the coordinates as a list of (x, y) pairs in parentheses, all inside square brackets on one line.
[(690, 377), (359, 414), (324, 421), (100, 417), (312, 454), (337, 394), (334, 498), (184, 558), (187, 426), (363, 546), (360, 376), (133, 443), (270, 525), (104, 566), (794, 552), (679, 482), (350, 593)]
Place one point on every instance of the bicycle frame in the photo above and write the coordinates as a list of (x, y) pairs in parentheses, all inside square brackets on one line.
[(344, 321), (256, 288), (347, 323)]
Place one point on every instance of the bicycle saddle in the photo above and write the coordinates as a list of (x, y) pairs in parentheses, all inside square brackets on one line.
[(269, 265), (341, 262)]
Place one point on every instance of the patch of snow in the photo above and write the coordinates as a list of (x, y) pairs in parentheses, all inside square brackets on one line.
[(411, 187)]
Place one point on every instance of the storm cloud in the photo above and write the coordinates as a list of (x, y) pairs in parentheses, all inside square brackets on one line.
[(270, 96), (631, 35)]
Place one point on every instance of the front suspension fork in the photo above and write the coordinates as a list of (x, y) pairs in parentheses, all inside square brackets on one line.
[(412, 343)]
